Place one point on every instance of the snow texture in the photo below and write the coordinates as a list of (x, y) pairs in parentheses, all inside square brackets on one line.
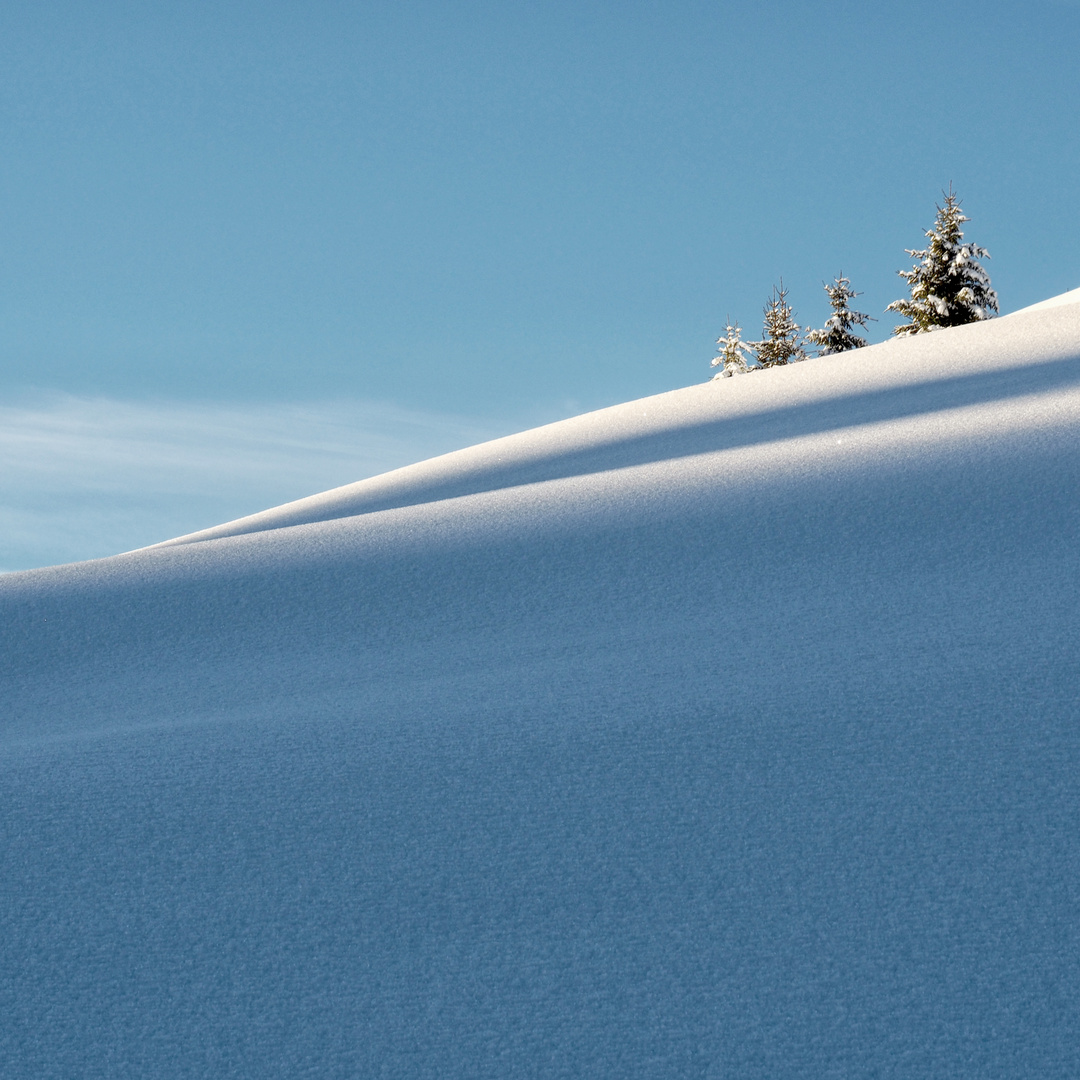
[(730, 732)]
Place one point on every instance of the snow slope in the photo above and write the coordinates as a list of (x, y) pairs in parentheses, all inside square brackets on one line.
[(728, 732)]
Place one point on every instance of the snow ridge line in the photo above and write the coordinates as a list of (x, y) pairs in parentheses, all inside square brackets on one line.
[(953, 395)]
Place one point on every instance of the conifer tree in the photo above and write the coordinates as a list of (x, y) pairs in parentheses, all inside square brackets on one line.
[(733, 353), (782, 336), (838, 334), (948, 285)]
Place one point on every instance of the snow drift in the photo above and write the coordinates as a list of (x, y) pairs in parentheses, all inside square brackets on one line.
[(728, 732)]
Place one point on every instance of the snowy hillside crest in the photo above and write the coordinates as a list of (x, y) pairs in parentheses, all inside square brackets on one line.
[(708, 734), (948, 287)]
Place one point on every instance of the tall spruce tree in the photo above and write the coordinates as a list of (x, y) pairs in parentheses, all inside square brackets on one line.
[(781, 335), (838, 334), (733, 352), (948, 285)]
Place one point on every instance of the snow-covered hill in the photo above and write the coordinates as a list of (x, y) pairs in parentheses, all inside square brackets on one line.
[(733, 731)]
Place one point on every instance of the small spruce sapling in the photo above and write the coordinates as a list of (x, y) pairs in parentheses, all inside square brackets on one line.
[(948, 285), (838, 334), (733, 352), (782, 337)]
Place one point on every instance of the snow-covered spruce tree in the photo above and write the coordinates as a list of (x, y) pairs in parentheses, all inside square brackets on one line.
[(838, 334), (733, 352), (781, 335), (948, 285)]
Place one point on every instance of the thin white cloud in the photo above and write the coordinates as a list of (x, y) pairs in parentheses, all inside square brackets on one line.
[(81, 478)]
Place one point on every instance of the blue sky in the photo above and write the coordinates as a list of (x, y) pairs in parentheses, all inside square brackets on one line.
[(499, 213)]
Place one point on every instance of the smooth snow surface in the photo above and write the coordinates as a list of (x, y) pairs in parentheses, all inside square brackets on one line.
[(732, 732), (1071, 297)]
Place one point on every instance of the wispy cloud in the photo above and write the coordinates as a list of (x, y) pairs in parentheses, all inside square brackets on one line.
[(81, 478)]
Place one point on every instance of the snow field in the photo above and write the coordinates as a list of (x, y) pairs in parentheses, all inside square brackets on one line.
[(729, 732)]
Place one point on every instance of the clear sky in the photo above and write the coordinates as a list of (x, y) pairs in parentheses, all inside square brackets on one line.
[(503, 212)]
